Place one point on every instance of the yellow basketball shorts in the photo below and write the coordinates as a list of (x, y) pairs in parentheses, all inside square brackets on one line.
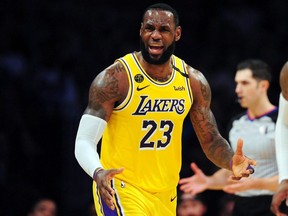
[(133, 201)]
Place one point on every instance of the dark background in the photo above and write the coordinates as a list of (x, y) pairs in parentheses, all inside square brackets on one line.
[(50, 51)]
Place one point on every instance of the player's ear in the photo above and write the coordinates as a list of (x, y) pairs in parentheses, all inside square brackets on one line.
[(178, 33)]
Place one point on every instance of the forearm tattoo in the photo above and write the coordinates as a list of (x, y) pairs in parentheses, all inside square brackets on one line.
[(214, 145)]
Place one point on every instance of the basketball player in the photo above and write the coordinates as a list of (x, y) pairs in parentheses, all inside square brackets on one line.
[(257, 127), (282, 145), (138, 104)]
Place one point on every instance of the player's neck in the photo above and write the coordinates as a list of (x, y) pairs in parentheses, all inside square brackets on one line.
[(160, 73)]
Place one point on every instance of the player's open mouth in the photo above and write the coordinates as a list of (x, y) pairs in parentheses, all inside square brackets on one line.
[(155, 50)]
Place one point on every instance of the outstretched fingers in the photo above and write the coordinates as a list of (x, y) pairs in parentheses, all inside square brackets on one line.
[(239, 150), (195, 168), (242, 165)]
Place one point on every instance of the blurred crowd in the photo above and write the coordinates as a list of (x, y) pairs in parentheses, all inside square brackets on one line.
[(51, 50)]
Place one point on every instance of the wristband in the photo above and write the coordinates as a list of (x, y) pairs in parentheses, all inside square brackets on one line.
[(96, 172)]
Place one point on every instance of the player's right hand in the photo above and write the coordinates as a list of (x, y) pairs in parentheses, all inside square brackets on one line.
[(103, 179)]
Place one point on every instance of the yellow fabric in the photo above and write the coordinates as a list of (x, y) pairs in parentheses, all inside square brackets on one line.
[(144, 133), (133, 201)]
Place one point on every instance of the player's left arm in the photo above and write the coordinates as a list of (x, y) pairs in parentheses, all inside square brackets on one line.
[(215, 147), (213, 144)]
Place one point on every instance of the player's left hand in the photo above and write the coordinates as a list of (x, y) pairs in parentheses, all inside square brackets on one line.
[(241, 165)]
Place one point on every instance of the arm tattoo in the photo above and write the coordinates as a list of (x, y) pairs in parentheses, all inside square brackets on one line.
[(205, 92), (216, 148), (202, 117), (214, 145), (107, 87)]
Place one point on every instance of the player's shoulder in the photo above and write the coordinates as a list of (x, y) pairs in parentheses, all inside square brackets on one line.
[(197, 78), (194, 72), (113, 75), (115, 69)]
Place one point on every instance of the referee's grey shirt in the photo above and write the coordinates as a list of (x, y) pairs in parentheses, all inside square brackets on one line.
[(259, 144)]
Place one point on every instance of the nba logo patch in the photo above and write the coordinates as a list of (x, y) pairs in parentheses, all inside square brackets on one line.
[(138, 78)]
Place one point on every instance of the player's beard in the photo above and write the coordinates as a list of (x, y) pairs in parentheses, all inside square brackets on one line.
[(163, 58)]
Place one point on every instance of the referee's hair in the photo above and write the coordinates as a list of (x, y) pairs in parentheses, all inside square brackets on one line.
[(260, 69)]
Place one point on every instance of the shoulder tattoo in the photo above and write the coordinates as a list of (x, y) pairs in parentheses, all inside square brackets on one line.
[(106, 86)]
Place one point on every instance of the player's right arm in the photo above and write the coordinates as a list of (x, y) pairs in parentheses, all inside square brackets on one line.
[(107, 89)]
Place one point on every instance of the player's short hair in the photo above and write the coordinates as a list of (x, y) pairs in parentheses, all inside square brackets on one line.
[(164, 7)]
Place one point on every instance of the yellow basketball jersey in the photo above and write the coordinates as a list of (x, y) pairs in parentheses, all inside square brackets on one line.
[(144, 132)]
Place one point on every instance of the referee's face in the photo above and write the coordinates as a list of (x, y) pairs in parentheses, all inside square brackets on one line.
[(248, 89)]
